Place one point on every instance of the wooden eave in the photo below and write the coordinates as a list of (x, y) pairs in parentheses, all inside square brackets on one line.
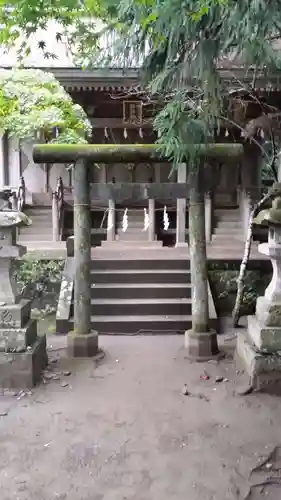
[(118, 79)]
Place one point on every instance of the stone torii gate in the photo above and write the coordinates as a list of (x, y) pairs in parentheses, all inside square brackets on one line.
[(83, 341)]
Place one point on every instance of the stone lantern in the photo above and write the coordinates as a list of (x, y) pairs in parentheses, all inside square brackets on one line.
[(260, 348), (22, 352)]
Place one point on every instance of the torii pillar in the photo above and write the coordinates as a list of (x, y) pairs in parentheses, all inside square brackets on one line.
[(82, 341)]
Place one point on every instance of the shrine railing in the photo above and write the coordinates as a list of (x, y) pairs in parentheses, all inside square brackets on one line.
[(57, 210)]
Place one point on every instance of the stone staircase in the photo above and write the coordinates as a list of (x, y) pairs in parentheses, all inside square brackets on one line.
[(135, 228), (41, 227), (136, 295), (228, 236)]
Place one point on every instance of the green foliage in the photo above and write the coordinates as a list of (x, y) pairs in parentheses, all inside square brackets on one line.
[(223, 282), (180, 44), (35, 276), (33, 102)]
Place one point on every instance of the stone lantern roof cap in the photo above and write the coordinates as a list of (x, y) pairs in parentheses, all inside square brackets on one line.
[(271, 215), (13, 219)]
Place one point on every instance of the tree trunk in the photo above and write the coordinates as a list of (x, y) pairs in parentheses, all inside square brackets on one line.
[(82, 249), (198, 255), (241, 278)]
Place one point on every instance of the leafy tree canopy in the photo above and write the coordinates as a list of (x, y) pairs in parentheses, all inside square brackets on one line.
[(33, 101), (181, 44)]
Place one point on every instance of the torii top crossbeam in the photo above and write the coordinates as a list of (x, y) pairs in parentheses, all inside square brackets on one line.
[(125, 153)]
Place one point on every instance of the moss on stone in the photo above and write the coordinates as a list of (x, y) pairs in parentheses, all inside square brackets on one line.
[(124, 153)]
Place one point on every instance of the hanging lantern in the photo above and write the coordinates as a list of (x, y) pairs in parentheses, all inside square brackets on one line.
[(166, 221), (146, 220), (125, 221)]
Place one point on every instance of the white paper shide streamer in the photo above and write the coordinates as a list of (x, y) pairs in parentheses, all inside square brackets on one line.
[(146, 220), (125, 221), (166, 222)]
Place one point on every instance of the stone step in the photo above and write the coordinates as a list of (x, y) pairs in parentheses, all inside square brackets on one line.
[(229, 220), (229, 225), (140, 325), (38, 212), (141, 276), (129, 261), (140, 307), (38, 227), (43, 217), (134, 225), (133, 215), (40, 220), (28, 238), (229, 238), (227, 211), (126, 244), (230, 216), (228, 230), (135, 237), (141, 291)]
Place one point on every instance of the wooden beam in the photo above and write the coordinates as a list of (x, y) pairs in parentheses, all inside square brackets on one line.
[(118, 123), (125, 153), (122, 192)]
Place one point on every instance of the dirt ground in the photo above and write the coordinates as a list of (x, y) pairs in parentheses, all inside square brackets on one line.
[(123, 429)]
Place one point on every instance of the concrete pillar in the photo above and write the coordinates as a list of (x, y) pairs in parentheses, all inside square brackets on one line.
[(82, 250), (55, 217), (111, 221), (2, 163), (246, 205), (209, 216), (13, 166), (103, 173), (151, 227), (82, 342), (157, 172), (181, 209)]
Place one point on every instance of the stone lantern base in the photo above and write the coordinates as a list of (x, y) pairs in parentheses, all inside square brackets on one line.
[(264, 369), (23, 354), (259, 350)]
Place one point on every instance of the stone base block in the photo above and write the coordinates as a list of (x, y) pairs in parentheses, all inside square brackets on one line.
[(267, 338), (82, 346), (268, 312), (18, 339), (181, 244), (201, 346), (24, 370), (264, 370), (15, 315)]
